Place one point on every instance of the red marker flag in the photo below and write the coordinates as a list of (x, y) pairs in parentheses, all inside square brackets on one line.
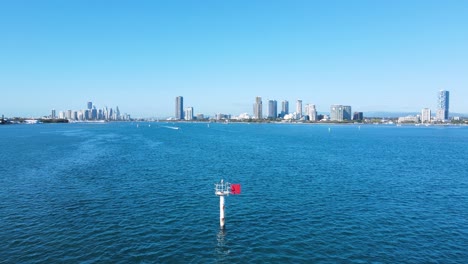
[(235, 189)]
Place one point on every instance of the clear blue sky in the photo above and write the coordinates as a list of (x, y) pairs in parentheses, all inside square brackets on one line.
[(219, 55)]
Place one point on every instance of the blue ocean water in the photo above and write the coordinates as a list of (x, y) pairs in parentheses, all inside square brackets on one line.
[(121, 193)]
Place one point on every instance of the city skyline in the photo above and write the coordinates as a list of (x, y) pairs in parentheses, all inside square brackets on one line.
[(337, 112), (374, 56), (90, 113)]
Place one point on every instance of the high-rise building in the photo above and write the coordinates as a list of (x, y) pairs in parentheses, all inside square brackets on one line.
[(258, 108), (105, 113), (340, 112), (90, 105), (272, 109), (311, 111), (336, 113), (188, 113), (69, 114), (425, 115), (347, 112), (94, 113), (117, 113), (179, 108), (284, 108), (443, 106), (299, 108), (53, 115)]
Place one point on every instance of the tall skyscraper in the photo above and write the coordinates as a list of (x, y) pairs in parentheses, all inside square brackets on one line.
[(117, 113), (311, 111), (90, 105), (188, 113), (106, 113), (53, 116), (94, 113), (443, 105), (284, 108), (272, 109), (299, 108), (425, 115), (258, 108), (179, 108)]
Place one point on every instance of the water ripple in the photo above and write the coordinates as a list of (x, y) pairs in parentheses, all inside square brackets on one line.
[(115, 193)]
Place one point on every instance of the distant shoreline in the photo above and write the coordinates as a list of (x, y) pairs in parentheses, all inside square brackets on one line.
[(375, 121), (247, 123)]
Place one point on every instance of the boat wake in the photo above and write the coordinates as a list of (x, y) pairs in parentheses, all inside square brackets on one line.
[(171, 127)]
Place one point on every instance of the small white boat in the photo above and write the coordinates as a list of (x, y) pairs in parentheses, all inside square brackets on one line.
[(171, 127)]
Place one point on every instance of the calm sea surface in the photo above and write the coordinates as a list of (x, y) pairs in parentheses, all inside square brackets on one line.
[(120, 193)]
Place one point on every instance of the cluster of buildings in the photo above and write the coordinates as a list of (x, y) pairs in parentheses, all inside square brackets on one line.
[(426, 117), (182, 113), (338, 113), (91, 113), (188, 114)]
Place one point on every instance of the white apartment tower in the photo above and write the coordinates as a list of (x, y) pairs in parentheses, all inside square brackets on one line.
[(258, 108), (284, 108), (299, 108), (188, 115), (311, 111), (425, 115)]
